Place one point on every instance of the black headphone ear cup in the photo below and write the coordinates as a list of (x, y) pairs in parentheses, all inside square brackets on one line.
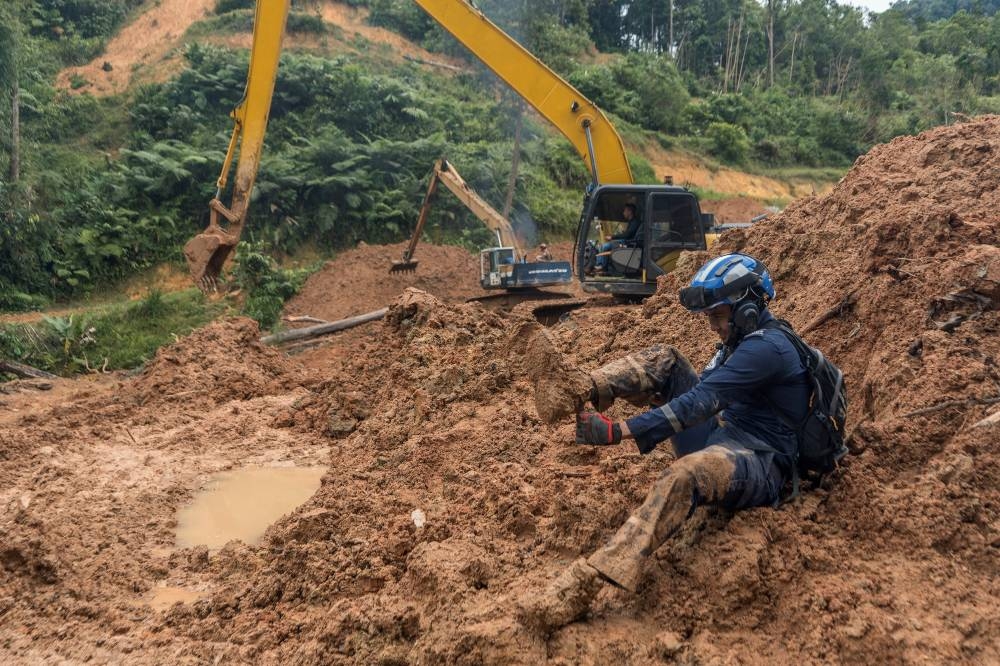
[(746, 316)]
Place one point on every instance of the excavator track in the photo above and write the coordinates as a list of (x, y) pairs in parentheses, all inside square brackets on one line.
[(545, 306)]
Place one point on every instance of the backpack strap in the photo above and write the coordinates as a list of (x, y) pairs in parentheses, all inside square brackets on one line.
[(806, 359)]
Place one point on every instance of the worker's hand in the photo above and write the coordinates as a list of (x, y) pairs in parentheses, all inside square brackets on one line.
[(596, 428)]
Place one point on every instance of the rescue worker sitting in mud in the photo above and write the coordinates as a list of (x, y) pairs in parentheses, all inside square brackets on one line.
[(729, 429)]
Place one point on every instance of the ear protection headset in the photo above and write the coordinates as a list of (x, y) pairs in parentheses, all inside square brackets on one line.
[(746, 313)]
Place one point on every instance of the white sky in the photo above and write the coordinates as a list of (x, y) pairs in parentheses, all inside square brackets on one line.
[(871, 5)]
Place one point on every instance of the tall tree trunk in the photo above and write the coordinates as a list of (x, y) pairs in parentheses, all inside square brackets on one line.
[(670, 28), (652, 30), (791, 66), (741, 76), (15, 133), (515, 162), (770, 43), (727, 59)]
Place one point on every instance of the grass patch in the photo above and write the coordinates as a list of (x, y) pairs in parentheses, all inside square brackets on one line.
[(799, 173), (706, 194), (120, 336)]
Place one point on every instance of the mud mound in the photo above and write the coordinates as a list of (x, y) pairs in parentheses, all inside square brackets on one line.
[(896, 273), (738, 209), (359, 281), (900, 290), (447, 498), (214, 364), (451, 431)]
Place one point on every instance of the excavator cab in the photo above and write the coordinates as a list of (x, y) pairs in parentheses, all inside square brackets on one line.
[(671, 222), (496, 267)]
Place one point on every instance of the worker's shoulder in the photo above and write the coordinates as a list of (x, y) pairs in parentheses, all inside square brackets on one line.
[(765, 341)]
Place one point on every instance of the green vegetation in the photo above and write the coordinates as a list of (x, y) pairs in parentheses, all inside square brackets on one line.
[(118, 337), (810, 82), (94, 190), (267, 286), (346, 159)]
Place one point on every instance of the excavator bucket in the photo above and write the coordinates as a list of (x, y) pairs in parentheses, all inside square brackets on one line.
[(403, 266), (206, 254)]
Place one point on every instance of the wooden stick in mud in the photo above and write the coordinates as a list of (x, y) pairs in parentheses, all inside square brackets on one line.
[(22, 370), (323, 329), (846, 302), (953, 403)]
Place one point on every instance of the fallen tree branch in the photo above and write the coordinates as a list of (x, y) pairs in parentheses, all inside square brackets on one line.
[(323, 329), (305, 319), (953, 403), (22, 370), (845, 303)]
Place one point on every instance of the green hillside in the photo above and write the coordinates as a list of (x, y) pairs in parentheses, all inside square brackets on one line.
[(95, 189)]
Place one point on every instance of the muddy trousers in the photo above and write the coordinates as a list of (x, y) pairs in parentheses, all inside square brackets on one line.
[(716, 465)]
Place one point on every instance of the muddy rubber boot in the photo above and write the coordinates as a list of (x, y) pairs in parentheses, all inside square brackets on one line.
[(705, 475), (659, 370), (565, 600), (561, 388)]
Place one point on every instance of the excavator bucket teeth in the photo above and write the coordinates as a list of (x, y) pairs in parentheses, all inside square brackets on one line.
[(206, 253), (403, 267)]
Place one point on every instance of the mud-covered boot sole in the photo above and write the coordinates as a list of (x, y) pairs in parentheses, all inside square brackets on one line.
[(561, 388)]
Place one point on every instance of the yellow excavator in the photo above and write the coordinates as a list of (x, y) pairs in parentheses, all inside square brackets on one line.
[(505, 266), (671, 219)]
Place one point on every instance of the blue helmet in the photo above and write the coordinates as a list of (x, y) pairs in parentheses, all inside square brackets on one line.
[(728, 279)]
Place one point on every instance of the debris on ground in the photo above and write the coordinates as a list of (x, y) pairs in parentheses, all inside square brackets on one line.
[(428, 417)]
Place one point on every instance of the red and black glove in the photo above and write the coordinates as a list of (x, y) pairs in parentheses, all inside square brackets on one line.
[(596, 428)]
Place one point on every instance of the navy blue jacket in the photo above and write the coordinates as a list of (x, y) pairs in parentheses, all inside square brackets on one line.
[(744, 385), (631, 231)]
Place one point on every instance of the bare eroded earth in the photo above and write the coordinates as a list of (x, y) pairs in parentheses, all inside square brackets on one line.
[(895, 274)]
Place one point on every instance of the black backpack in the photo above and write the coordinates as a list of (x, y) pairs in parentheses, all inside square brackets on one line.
[(821, 433)]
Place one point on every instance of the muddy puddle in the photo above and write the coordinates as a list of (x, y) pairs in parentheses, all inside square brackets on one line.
[(241, 504), (162, 598)]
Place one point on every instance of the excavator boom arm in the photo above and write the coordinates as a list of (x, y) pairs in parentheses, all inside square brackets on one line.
[(555, 99), (488, 215), (207, 252), (445, 173)]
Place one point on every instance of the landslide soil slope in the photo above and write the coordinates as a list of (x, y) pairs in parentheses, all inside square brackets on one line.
[(147, 49), (895, 561)]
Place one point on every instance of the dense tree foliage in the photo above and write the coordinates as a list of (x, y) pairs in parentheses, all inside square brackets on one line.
[(347, 155), (868, 77), (92, 190), (934, 10)]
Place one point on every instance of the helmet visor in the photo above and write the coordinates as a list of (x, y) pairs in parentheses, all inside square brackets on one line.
[(698, 298)]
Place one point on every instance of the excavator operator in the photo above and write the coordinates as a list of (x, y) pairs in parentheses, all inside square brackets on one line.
[(633, 224)]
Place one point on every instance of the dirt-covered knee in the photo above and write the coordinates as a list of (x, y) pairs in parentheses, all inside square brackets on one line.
[(710, 470)]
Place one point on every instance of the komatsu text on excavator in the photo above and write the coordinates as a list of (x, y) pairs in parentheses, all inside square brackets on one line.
[(670, 218)]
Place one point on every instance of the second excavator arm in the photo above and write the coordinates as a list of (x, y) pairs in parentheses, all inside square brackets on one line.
[(207, 252), (580, 121), (494, 221)]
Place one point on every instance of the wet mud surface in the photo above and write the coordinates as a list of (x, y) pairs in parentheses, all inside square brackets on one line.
[(895, 274)]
